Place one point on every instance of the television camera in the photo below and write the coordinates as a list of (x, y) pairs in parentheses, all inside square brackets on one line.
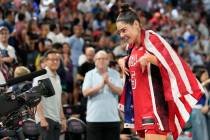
[(16, 117)]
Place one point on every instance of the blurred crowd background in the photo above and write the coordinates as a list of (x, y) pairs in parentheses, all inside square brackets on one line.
[(80, 28)]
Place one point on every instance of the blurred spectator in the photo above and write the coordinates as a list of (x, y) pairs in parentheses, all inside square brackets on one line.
[(62, 37), (76, 43), (88, 21), (20, 25), (120, 50), (202, 28), (42, 62), (199, 113), (49, 113), (33, 29), (7, 52), (25, 85), (73, 5), (103, 44), (65, 16), (20, 71), (44, 6), (196, 58), (6, 5), (41, 49), (102, 86), (31, 55), (84, 68), (96, 9), (1, 16), (48, 44), (112, 60), (44, 30), (51, 15), (68, 81), (23, 9), (84, 6), (99, 22), (23, 47), (9, 20), (88, 56), (52, 34)]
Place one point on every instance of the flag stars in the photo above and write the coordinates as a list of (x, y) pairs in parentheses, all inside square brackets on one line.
[(132, 119)]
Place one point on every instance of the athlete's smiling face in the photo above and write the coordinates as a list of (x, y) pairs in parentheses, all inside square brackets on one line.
[(129, 33)]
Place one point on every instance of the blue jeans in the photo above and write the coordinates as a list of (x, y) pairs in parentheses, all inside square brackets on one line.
[(199, 125), (184, 138)]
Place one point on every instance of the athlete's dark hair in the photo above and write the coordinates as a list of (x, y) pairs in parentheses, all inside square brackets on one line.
[(127, 14)]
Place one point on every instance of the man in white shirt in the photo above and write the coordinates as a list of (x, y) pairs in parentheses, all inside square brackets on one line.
[(102, 86), (49, 111), (52, 35)]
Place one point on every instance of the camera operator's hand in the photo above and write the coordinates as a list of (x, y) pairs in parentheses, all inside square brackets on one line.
[(63, 125), (44, 123)]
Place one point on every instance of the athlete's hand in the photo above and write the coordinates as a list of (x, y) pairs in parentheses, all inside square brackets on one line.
[(143, 62), (121, 63)]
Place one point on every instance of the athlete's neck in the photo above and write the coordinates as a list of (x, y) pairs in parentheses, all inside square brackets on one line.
[(138, 40)]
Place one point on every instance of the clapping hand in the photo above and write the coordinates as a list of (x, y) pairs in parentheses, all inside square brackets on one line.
[(106, 78)]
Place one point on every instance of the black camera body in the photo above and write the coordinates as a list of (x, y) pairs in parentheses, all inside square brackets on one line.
[(16, 116), (13, 101), (20, 125)]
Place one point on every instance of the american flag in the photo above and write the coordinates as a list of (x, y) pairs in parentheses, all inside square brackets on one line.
[(181, 89), (128, 99)]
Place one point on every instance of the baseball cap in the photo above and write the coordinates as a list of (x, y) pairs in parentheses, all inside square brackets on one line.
[(3, 28)]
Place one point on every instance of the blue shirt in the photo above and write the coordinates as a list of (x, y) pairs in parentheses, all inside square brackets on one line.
[(103, 106), (76, 45)]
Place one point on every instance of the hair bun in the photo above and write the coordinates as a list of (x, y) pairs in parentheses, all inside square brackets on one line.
[(125, 7)]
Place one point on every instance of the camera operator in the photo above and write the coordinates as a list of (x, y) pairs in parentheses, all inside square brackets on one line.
[(49, 113)]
